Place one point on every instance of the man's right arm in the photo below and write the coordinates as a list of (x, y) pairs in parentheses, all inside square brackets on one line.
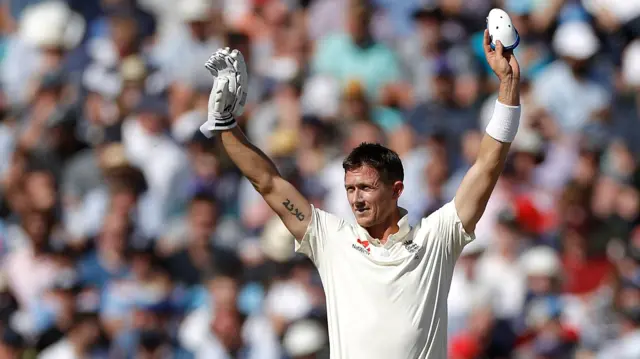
[(289, 204)]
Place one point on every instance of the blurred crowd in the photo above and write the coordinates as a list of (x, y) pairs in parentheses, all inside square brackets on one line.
[(124, 233)]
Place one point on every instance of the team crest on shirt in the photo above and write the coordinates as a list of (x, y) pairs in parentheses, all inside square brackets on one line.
[(363, 247), (411, 247)]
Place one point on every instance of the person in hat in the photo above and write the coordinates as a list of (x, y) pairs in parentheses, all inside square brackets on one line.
[(47, 32), (565, 88), (179, 52)]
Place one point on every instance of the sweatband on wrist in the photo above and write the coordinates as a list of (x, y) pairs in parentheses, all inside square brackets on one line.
[(503, 125)]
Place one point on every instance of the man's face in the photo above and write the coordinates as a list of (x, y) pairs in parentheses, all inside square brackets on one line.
[(41, 190), (124, 32), (227, 326), (37, 227), (372, 201), (202, 219), (225, 291), (113, 234), (151, 122), (443, 87)]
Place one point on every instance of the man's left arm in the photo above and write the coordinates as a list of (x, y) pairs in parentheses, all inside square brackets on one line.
[(476, 187)]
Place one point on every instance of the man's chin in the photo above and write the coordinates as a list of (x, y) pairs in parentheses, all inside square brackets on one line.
[(364, 222)]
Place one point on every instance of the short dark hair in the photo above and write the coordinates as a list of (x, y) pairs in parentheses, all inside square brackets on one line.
[(385, 161)]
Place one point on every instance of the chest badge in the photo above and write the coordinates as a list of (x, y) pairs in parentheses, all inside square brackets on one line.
[(363, 246), (411, 247)]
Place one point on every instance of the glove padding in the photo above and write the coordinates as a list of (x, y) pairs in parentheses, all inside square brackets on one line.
[(229, 93)]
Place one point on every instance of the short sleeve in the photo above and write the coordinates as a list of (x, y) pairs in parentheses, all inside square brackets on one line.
[(320, 228), (449, 229)]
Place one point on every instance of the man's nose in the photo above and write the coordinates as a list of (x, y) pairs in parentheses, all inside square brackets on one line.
[(357, 194)]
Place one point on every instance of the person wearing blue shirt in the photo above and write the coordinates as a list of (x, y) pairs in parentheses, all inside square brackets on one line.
[(108, 261), (361, 57)]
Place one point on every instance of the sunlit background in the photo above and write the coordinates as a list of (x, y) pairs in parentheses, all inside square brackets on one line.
[(126, 234)]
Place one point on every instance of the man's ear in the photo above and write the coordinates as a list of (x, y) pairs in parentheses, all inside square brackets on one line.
[(397, 187)]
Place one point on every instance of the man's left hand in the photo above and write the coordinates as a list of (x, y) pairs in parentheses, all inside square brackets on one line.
[(503, 63)]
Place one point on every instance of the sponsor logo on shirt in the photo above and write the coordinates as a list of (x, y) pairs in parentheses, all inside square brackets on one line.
[(363, 247), (411, 247)]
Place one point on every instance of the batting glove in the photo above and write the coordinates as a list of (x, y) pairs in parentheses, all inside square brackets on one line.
[(229, 93)]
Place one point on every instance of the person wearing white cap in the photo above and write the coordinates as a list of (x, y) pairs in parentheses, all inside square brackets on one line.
[(386, 282), (47, 31), (564, 87), (543, 268), (181, 51)]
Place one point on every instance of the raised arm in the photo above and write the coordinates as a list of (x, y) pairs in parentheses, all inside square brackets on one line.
[(282, 196), (476, 187), (226, 102)]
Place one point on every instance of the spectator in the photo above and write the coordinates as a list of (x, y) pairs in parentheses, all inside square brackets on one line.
[(30, 270), (579, 99), (364, 59), (201, 31), (627, 345), (108, 260), (158, 157), (48, 31)]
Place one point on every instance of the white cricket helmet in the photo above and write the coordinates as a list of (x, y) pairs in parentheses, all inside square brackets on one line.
[(501, 28)]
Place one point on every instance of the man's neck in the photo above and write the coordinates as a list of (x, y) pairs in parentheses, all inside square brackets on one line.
[(383, 230)]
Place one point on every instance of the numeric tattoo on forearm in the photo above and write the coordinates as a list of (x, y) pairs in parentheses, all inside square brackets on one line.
[(293, 210)]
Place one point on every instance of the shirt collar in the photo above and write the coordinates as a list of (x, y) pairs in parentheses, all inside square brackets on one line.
[(404, 229)]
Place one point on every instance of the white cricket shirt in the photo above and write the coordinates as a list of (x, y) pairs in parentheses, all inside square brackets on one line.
[(386, 301)]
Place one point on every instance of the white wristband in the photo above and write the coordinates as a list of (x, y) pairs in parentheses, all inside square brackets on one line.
[(503, 125)]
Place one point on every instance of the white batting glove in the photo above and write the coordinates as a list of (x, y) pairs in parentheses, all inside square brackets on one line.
[(229, 93)]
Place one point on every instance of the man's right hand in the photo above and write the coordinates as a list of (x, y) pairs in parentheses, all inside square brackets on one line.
[(229, 93)]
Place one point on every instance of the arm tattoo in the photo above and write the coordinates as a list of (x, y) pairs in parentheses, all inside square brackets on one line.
[(293, 210)]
